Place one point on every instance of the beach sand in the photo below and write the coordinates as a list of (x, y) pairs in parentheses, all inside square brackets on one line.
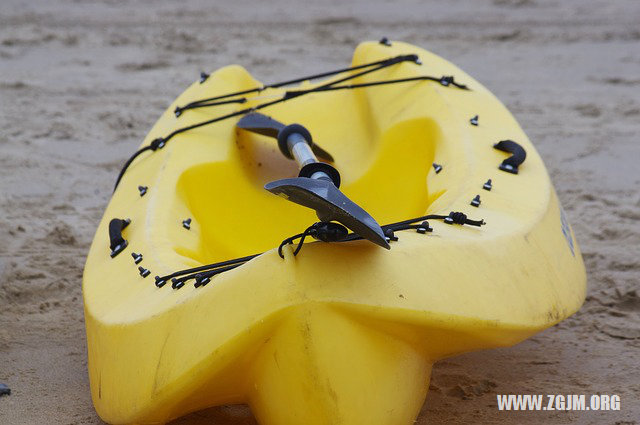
[(82, 82)]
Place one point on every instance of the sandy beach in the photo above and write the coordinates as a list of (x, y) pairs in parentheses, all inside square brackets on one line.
[(82, 82)]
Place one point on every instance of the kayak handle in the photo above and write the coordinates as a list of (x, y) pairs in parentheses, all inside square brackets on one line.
[(117, 242), (511, 164)]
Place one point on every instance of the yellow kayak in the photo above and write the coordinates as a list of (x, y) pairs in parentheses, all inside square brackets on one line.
[(202, 288)]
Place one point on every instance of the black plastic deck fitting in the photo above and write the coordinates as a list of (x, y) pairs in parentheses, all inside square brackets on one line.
[(445, 80), (136, 257), (157, 143), (424, 228), (142, 190), (385, 41), (487, 185), (474, 120), (160, 282), (476, 201), (390, 235), (203, 77), (201, 280), (186, 223), (177, 283), (437, 167), (456, 217), (143, 272)]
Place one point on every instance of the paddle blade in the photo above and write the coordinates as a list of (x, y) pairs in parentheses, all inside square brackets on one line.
[(261, 124), (329, 204), (321, 153), (267, 126)]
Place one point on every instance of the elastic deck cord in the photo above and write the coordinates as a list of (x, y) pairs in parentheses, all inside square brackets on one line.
[(212, 101), (332, 232), (385, 62)]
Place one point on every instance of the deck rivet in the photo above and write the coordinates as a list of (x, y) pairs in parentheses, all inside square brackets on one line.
[(203, 77), (508, 168), (143, 190), (476, 201), (390, 235), (137, 258), (385, 41), (119, 248), (424, 228), (201, 280), (437, 167), (487, 185), (143, 272), (176, 283), (186, 223), (474, 120), (160, 282)]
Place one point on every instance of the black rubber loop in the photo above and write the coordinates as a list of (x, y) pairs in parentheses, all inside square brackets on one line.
[(511, 164)]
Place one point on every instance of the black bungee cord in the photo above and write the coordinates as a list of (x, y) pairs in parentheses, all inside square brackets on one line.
[(160, 142), (323, 231)]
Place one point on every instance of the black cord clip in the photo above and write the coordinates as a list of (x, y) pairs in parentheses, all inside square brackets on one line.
[(157, 144), (323, 231)]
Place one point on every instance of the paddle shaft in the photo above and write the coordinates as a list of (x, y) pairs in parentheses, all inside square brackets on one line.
[(302, 153)]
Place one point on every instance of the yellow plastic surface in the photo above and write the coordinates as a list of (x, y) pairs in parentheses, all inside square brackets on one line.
[(343, 333)]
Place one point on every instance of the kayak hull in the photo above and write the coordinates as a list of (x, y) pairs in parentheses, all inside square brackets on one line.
[(342, 333)]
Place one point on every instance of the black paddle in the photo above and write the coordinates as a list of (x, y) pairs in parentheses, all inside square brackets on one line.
[(317, 183)]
